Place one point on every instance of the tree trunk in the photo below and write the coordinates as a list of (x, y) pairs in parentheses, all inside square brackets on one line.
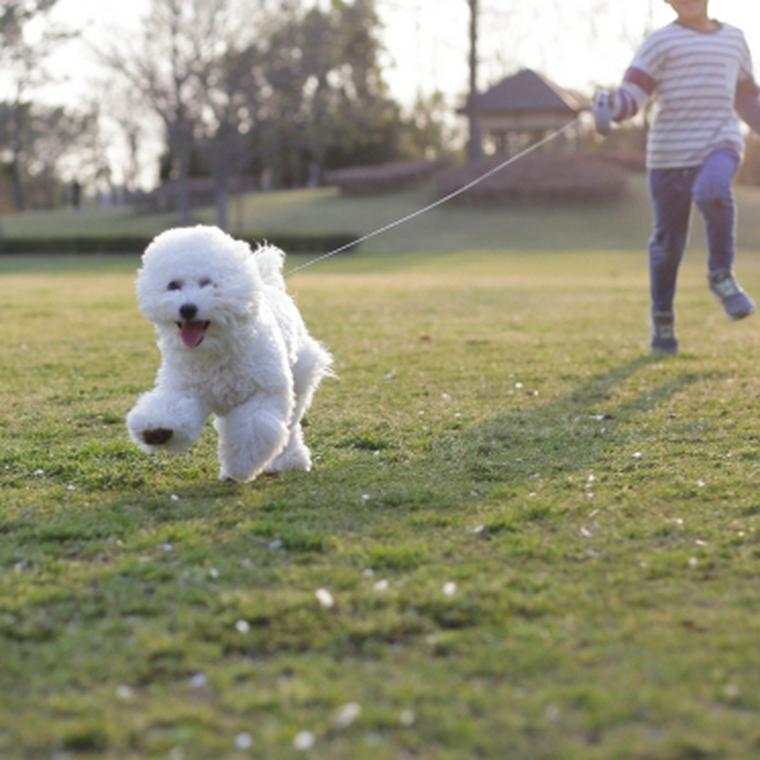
[(474, 147), (19, 196), (183, 195), (221, 201)]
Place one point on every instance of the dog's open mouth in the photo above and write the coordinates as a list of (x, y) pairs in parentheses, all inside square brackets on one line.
[(192, 332)]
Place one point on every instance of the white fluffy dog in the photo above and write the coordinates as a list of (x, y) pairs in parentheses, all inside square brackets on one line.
[(232, 344)]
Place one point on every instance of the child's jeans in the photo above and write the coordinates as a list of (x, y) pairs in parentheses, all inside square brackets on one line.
[(672, 191)]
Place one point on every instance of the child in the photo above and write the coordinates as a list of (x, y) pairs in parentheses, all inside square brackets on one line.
[(700, 72)]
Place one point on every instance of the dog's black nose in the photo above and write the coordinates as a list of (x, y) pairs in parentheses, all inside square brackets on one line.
[(188, 310)]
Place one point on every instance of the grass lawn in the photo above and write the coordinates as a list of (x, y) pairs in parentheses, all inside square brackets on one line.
[(540, 542), (453, 227)]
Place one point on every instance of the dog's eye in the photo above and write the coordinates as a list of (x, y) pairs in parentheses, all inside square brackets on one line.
[(205, 282), (174, 285)]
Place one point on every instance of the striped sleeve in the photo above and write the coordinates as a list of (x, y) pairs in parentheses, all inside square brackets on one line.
[(745, 62), (640, 80), (747, 91)]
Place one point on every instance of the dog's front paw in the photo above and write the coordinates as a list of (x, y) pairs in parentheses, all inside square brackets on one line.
[(162, 422), (157, 436)]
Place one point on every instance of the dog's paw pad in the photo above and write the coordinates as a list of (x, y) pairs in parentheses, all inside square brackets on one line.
[(157, 436)]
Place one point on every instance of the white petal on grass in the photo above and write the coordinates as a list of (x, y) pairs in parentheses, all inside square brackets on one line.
[(304, 740), (347, 714), (213, 572), (174, 497), (586, 533), (381, 585), (449, 588), (406, 718), (693, 561), (243, 740), (325, 598), (124, 692), (637, 455), (198, 681), (243, 626), (731, 690)]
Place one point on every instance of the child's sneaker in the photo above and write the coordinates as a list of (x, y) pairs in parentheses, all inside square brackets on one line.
[(663, 333), (735, 301)]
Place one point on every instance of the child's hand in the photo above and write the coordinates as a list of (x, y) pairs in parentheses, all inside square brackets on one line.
[(603, 109)]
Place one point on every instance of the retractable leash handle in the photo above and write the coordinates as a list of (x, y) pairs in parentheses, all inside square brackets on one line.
[(603, 110)]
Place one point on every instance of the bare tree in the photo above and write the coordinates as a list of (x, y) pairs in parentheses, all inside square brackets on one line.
[(474, 147), (192, 65), (22, 62), (230, 86), (161, 64), (67, 144)]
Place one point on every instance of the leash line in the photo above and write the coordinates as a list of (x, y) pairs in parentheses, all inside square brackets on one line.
[(459, 191)]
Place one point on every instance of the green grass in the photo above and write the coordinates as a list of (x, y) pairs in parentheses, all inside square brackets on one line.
[(451, 227), (497, 424)]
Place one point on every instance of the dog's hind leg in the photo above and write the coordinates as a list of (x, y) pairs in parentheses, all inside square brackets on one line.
[(312, 365), (252, 434)]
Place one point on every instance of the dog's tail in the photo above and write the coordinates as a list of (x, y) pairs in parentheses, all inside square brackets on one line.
[(269, 260)]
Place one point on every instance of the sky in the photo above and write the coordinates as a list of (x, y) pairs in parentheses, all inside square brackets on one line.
[(580, 44), (585, 42)]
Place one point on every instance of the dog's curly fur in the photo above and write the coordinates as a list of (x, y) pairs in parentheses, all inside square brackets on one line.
[(233, 344)]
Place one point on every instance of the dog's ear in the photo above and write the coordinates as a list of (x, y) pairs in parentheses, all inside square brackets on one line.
[(245, 256), (270, 261)]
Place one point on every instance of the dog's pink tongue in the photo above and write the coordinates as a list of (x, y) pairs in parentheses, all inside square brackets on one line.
[(192, 333)]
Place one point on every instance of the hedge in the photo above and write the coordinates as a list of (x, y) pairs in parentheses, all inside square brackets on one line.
[(382, 178), (306, 243), (551, 176)]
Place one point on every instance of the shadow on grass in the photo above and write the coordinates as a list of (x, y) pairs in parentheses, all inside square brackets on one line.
[(573, 432)]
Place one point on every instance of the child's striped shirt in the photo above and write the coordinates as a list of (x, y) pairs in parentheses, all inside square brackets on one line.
[(695, 78)]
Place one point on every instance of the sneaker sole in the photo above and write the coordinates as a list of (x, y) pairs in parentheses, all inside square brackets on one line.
[(743, 315)]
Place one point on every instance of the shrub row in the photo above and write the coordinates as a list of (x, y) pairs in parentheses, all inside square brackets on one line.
[(306, 243), (382, 178), (550, 176)]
